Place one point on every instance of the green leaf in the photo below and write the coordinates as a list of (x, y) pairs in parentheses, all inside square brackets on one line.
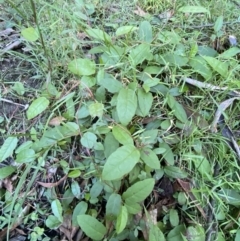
[(81, 208), (168, 154), (139, 54), (155, 234), (176, 233), (96, 189), (82, 67), (98, 34), (229, 53), (57, 209), (201, 67), (122, 220), (218, 66), (8, 147), (173, 59), (108, 82), (145, 32), (173, 217), (145, 101), (126, 105), (75, 188), (139, 191), (19, 88), (52, 222), (230, 196), (122, 135), (133, 208), (74, 173), (150, 158), (37, 107), (88, 140), (175, 172), (178, 109), (30, 34), (193, 9), (91, 227), (195, 233), (149, 137), (123, 30), (113, 206), (120, 162), (6, 171), (218, 24), (26, 155), (110, 144), (96, 109), (237, 237)]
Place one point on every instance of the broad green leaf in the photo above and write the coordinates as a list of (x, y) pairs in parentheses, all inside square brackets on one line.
[(139, 191), (122, 220), (8, 147), (155, 234), (109, 82), (125, 30), (193, 9), (195, 234), (207, 51), (52, 222), (168, 154), (145, 101), (98, 34), (88, 140), (74, 173), (96, 109), (96, 189), (91, 227), (145, 32), (150, 158), (26, 155), (81, 208), (201, 67), (75, 188), (6, 171), (37, 107), (230, 196), (173, 59), (126, 105), (230, 53), (176, 234), (173, 217), (122, 135), (120, 162), (175, 172), (218, 24), (110, 144), (178, 109), (139, 54), (57, 209), (149, 137), (217, 65), (169, 37), (133, 208), (19, 88), (30, 34), (82, 67), (113, 206), (237, 237)]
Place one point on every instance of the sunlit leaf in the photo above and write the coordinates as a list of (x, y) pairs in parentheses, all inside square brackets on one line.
[(6, 171), (125, 30), (57, 209), (96, 109), (122, 220), (30, 34), (122, 135), (8, 147), (37, 107), (88, 139), (82, 67), (98, 34), (113, 206), (193, 9), (145, 101), (150, 158)]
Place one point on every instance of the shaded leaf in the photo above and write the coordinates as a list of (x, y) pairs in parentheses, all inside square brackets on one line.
[(145, 32), (193, 9), (175, 172), (88, 140), (168, 154), (139, 54), (6, 171), (230, 53), (150, 158), (110, 144), (145, 101), (75, 188), (8, 147), (52, 222), (126, 105), (81, 208), (91, 227), (57, 209), (98, 34), (133, 208), (125, 30), (26, 155), (113, 206), (230, 196), (37, 107), (120, 162), (155, 234), (96, 109), (173, 217)]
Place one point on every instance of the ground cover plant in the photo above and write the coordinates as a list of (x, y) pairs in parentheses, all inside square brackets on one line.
[(119, 120)]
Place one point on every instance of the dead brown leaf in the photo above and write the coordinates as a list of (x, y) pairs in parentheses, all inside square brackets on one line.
[(56, 121), (52, 184), (140, 12)]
